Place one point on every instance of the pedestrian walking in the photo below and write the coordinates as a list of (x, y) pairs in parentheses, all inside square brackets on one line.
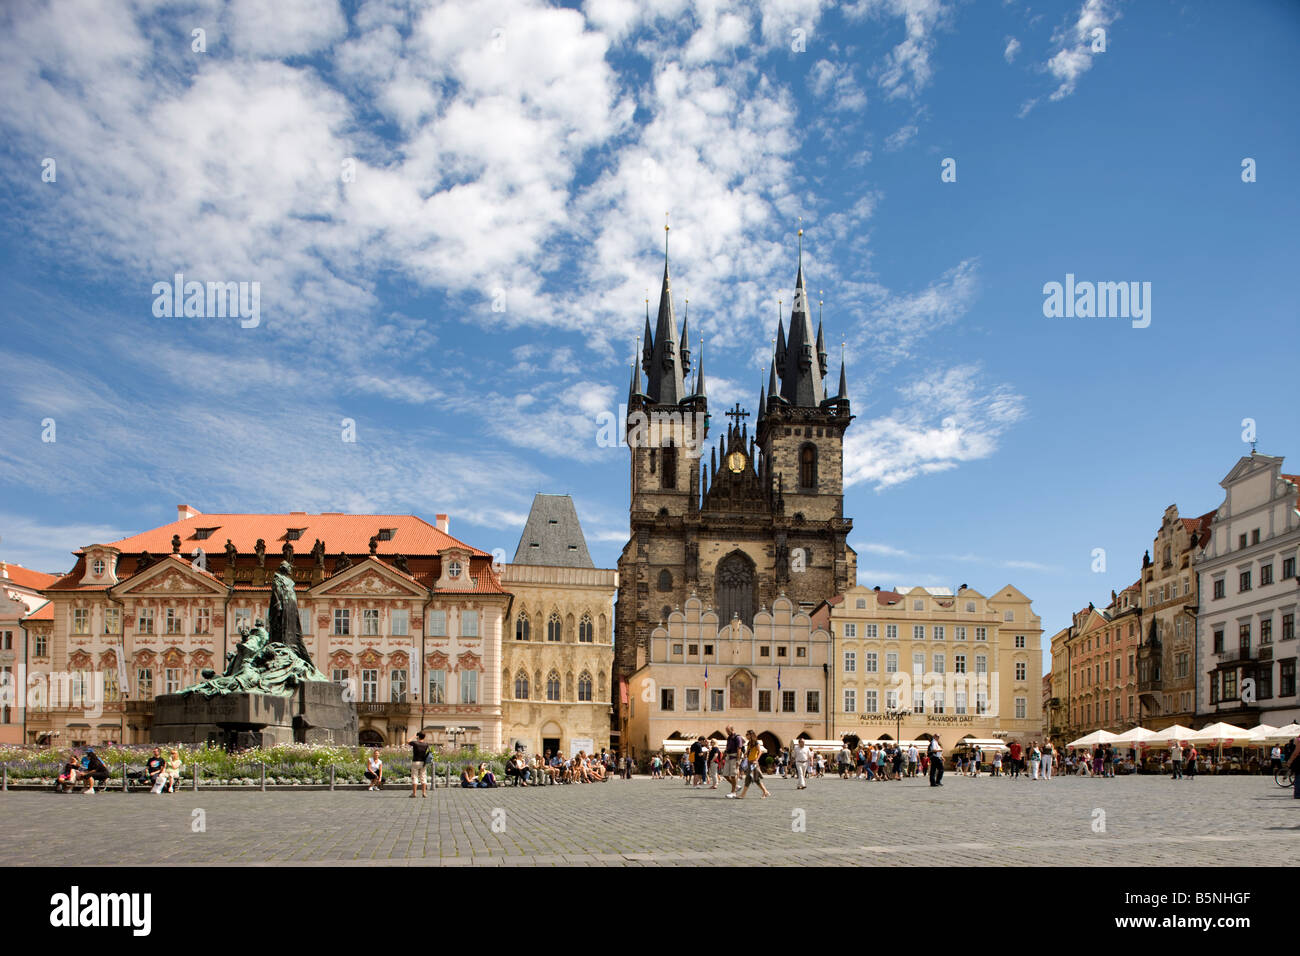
[(713, 760), (801, 757), (419, 761), (913, 758), (1049, 758), (754, 772), (1293, 762), (731, 759), (935, 753), (1189, 767), (1176, 759)]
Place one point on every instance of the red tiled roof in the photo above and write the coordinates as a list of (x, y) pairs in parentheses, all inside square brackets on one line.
[(43, 613), (340, 532), (1200, 526), (26, 577), (888, 597), (1295, 480)]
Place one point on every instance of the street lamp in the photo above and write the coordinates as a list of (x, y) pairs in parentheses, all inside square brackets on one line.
[(897, 717), (453, 733)]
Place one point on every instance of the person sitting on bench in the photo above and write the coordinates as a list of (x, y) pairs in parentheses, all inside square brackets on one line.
[(95, 771), (154, 771)]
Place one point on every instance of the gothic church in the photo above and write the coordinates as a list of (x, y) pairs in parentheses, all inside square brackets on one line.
[(762, 515)]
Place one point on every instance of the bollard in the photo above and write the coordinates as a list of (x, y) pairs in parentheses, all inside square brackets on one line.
[(195, 768), (264, 778), (4, 784), (331, 777), (124, 784)]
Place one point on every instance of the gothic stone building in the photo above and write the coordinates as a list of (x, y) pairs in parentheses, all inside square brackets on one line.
[(763, 517)]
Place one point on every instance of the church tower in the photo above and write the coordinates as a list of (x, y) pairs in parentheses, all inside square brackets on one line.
[(761, 517)]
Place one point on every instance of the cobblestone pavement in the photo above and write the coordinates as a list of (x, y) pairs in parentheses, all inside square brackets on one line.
[(1148, 821)]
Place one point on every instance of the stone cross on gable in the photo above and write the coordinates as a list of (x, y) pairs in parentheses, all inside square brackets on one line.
[(736, 414)]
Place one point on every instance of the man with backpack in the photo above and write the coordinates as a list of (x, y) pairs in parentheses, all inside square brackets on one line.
[(731, 760), (419, 759)]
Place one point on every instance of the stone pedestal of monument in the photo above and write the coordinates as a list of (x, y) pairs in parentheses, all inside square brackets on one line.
[(315, 713)]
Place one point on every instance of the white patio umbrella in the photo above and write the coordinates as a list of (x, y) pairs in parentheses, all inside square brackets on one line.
[(1283, 734), (1225, 735), (1175, 732), (1094, 738), (1137, 735), (1262, 733)]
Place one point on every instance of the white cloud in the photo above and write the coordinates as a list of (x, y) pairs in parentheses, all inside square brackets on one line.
[(885, 549), (907, 70), (285, 28), (835, 81), (1013, 47), (1074, 49), (900, 137), (43, 546), (945, 419)]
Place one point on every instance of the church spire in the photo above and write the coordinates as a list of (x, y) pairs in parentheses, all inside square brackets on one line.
[(801, 381), (821, 340), (634, 388), (686, 340), (844, 387), (665, 383), (699, 373)]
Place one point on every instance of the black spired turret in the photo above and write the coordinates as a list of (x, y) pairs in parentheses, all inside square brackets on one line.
[(664, 365), (801, 368)]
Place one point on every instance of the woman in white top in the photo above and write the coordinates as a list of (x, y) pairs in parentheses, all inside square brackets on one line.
[(375, 771), (1049, 755)]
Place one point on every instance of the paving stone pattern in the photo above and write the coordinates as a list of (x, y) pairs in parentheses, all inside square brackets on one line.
[(1148, 821)]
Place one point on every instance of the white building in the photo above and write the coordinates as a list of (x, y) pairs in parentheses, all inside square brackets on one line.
[(1245, 629)]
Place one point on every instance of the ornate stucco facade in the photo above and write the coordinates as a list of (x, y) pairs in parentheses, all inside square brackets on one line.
[(407, 617), (698, 674)]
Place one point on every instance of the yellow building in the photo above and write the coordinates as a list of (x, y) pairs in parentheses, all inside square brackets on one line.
[(558, 650), (960, 665)]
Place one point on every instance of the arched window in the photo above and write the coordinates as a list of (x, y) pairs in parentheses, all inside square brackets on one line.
[(665, 581), (735, 589), (554, 628), (521, 628), (669, 479), (553, 686), (586, 633), (521, 686), (808, 466), (584, 686)]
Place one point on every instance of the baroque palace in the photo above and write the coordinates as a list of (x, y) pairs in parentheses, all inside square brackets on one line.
[(409, 618), (731, 586)]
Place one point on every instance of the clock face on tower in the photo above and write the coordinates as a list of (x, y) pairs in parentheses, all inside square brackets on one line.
[(736, 461)]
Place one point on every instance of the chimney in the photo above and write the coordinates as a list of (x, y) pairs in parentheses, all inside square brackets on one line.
[(185, 512), (4, 570), (442, 523)]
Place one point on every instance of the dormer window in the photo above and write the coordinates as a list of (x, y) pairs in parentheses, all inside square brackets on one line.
[(453, 569), (202, 534), (97, 566), (293, 534), (387, 534)]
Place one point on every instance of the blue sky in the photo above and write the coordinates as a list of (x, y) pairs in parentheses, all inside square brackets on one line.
[(523, 156)]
